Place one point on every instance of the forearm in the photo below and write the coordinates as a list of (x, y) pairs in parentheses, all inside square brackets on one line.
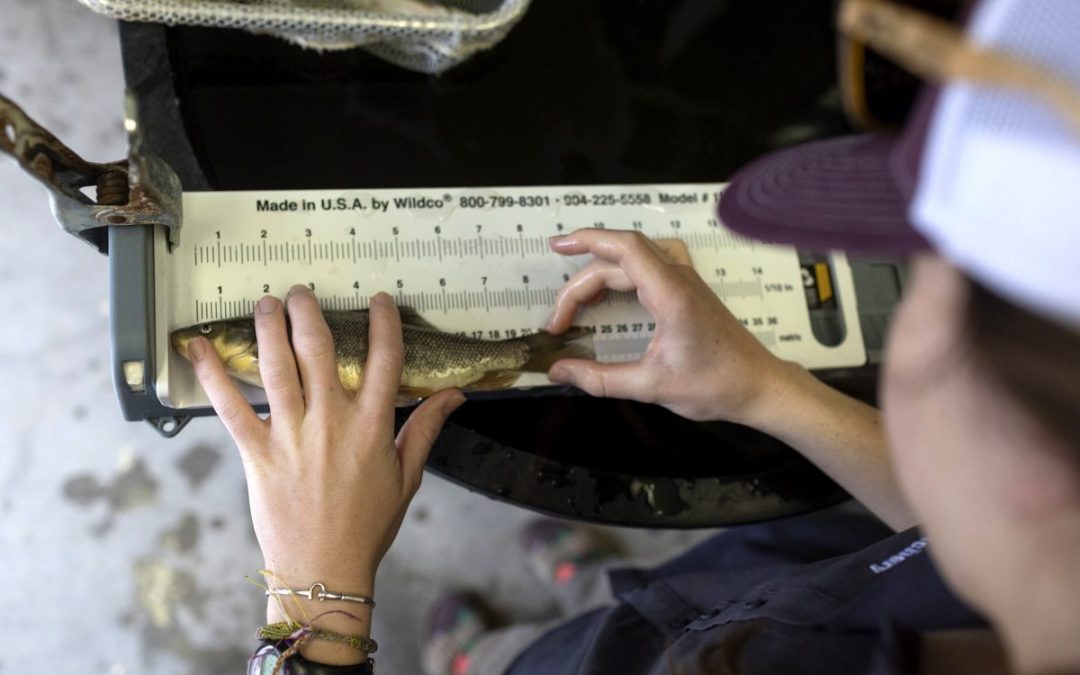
[(841, 436)]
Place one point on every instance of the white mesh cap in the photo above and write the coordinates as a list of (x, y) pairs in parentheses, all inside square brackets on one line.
[(420, 35), (999, 191)]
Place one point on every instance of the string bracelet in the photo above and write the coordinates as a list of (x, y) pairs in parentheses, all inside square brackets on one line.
[(289, 630)]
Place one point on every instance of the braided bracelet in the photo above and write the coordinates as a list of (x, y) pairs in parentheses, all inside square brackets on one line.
[(288, 630)]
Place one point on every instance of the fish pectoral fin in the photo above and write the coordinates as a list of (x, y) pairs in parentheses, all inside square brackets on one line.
[(495, 380), (254, 379)]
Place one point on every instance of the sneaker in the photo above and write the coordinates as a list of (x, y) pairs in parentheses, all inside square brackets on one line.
[(454, 625), (557, 550)]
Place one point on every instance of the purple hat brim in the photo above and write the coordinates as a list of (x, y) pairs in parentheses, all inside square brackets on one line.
[(837, 194)]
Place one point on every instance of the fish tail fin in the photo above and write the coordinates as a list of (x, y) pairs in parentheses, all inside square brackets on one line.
[(545, 348)]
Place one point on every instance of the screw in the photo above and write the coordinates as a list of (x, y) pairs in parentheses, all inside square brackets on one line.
[(112, 188)]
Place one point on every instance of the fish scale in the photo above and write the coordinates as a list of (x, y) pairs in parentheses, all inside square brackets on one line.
[(434, 359), (431, 357)]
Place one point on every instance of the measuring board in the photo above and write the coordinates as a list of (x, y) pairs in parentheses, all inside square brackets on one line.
[(471, 261)]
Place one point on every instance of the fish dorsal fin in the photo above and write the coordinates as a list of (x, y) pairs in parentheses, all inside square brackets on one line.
[(410, 317)]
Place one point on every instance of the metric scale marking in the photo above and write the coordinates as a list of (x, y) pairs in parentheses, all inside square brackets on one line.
[(357, 252), (440, 247), (445, 301), (479, 271)]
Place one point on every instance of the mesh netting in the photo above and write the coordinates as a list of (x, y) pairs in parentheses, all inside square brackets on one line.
[(417, 34)]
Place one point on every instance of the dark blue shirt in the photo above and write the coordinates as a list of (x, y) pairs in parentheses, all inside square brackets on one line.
[(817, 595)]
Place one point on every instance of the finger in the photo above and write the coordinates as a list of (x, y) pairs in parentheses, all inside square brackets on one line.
[(592, 240), (582, 288), (314, 347), (642, 261), (235, 412), (419, 432), (608, 380), (596, 299), (277, 366), (385, 359)]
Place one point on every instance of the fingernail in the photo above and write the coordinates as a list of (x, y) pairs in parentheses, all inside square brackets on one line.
[(383, 299), (268, 304), (197, 348), (560, 373), (556, 240), (453, 402), (549, 325), (297, 290)]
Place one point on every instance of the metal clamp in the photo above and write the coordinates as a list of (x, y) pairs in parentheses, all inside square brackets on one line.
[(141, 190)]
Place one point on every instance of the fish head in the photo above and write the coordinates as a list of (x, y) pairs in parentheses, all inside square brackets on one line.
[(233, 340)]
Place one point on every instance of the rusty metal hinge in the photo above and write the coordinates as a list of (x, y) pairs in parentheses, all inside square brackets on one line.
[(141, 190)]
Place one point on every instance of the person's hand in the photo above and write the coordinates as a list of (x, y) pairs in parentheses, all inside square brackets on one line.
[(701, 363), (328, 483)]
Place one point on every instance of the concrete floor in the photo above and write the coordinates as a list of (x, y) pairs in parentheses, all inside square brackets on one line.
[(124, 552)]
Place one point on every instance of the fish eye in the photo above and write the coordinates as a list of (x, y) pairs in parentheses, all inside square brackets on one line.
[(206, 329)]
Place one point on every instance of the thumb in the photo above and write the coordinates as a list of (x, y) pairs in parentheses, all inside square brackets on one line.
[(419, 432), (608, 380)]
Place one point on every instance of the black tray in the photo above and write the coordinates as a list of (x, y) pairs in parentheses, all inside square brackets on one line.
[(581, 92)]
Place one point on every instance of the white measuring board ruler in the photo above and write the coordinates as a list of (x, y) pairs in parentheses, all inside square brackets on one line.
[(471, 261)]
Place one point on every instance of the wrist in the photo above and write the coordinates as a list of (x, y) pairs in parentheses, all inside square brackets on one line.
[(320, 613), (339, 576), (785, 389)]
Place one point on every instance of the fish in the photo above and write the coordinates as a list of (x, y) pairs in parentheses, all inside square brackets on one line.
[(434, 359)]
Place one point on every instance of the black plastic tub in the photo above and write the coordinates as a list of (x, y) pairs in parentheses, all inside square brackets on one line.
[(581, 92)]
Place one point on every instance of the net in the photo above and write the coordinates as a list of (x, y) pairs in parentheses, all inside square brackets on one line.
[(420, 35)]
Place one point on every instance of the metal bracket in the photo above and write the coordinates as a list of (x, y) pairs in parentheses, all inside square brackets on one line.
[(169, 426), (141, 190)]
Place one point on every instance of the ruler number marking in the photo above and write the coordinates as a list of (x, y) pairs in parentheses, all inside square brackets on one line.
[(472, 245)]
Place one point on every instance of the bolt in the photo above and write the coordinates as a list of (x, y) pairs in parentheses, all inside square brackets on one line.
[(112, 188)]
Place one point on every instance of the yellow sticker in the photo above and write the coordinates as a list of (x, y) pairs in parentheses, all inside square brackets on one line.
[(824, 281)]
